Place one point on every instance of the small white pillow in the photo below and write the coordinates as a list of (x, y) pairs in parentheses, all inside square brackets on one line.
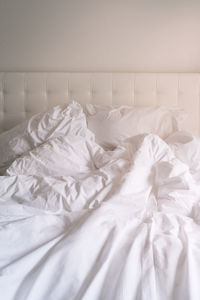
[(62, 156), (60, 120), (112, 125)]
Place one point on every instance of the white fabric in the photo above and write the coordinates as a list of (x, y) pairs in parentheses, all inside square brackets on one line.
[(60, 120), (128, 230), (112, 125), (187, 149), (63, 156)]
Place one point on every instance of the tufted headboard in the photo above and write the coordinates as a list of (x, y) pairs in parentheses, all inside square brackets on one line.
[(24, 94)]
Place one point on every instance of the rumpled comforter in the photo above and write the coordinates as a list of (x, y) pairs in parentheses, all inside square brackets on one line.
[(78, 222)]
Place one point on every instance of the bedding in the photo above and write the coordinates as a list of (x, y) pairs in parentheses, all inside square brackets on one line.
[(65, 156), (59, 120), (187, 148), (113, 124), (81, 222)]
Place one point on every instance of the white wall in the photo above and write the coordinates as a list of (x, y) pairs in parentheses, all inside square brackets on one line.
[(89, 35)]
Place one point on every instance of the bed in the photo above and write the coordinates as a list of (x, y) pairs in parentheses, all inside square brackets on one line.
[(99, 186)]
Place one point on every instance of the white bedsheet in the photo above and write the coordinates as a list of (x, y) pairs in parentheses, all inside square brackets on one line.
[(128, 229)]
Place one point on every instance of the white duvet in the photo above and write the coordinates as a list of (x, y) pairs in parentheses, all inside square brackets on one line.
[(78, 222)]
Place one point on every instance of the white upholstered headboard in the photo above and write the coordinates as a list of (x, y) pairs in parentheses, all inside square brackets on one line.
[(24, 94)]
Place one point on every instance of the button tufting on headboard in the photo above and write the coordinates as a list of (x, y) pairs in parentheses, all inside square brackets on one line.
[(24, 94)]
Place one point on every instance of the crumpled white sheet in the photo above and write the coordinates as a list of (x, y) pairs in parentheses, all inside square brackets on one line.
[(60, 120), (128, 229), (62, 156)]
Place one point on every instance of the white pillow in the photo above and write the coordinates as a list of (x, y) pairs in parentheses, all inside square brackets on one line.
[(112, 125), (60, 120), (62, 156)]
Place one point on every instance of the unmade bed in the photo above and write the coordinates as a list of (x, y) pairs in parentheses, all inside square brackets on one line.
[(99, 186)]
